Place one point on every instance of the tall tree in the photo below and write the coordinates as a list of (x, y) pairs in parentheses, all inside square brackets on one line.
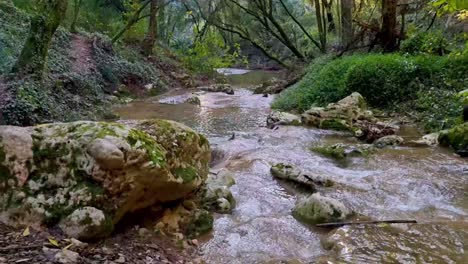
[(347, 34), (388, 33), (151, 35), (33, 57)]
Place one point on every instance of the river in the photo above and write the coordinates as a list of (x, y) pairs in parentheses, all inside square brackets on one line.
[(428, 184)]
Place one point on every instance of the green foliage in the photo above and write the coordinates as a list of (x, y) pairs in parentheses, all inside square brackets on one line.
[(426, 42), (209, 53)]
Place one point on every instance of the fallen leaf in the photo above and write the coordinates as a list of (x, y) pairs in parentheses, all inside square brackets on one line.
[(26, 232), (53, 242)]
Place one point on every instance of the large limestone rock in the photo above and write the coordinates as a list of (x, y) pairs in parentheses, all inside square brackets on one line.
[(276, 118), (317, 209), (457, 138), (339, 116), (48, 172)]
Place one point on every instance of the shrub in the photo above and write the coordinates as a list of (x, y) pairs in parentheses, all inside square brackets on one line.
[(434, 43)]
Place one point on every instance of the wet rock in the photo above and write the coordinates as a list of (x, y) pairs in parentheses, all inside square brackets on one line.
[(272, 86), (67, 256), (427, 140), (391, 140), (339, 116), (193, 100), (52, 170), (317, 209), (291, 173), (86, 223), (220, 87), (276, 118), (216, 194), (456, 138), (341, 151), (371, 131)]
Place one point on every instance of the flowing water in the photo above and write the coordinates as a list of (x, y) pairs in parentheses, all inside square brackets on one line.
[(427, 184)]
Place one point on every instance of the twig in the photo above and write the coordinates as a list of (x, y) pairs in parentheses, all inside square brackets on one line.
[(340, 224), (11, 248)]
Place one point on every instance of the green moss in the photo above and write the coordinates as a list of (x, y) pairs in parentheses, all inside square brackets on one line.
[(187, 174), (457, 137), (201, 224), (336, 152), (334, 124), (142, 140)]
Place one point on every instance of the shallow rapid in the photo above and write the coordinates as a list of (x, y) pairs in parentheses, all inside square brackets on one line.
[(427, 184)]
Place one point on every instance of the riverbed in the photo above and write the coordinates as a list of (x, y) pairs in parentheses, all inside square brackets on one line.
[(427, 184)]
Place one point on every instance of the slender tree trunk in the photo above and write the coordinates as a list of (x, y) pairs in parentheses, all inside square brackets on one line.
[(320, 25), (76, 13), (33, 57), (347, 34), (150, 39), (388, 31), (328, 8)]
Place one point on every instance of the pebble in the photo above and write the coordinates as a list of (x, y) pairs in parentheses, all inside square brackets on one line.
[(121, 259), (2, 260), (67, 256)]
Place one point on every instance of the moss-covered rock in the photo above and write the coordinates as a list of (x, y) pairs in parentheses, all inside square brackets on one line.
[(305, 178), (339, 116), (86, 223), (457, 137), (51, 170), (341, 151), (200, 224), (282, 118), (317, 209)]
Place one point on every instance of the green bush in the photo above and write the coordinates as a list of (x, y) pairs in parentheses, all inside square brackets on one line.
[(434, 43)]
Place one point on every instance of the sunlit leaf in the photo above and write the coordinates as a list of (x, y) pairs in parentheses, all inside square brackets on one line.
[(26, 232)]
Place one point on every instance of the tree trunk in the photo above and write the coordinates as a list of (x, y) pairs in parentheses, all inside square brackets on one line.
[(320, 25), (150, 39), (33, 57), (388, 31), (328, 8), (76, 13), (347, 22)]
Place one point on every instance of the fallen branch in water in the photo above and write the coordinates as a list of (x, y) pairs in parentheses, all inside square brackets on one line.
[(340, 224)]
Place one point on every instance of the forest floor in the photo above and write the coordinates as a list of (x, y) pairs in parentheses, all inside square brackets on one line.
[(80, 52), (49, 246)]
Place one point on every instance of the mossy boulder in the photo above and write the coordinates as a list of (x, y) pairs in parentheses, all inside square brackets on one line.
[(317, 209), (340, 115), (49, 171), (307, 179), (86, 223), (457, 138), (341, 151)]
